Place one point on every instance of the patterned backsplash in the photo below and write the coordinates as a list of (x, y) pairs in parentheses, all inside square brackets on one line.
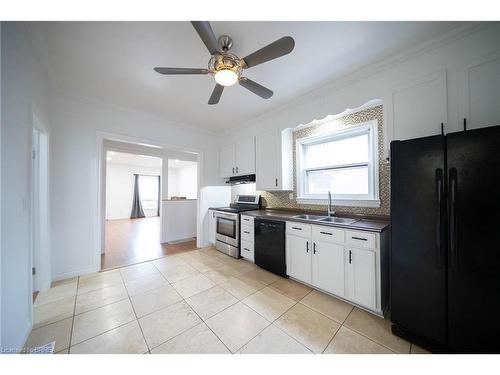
[(282, 200)]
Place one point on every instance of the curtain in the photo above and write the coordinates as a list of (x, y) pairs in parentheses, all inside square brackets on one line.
[(159, 194), (137, 211)]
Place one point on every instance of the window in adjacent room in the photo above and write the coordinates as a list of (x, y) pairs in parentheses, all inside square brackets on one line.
[(344, 162)]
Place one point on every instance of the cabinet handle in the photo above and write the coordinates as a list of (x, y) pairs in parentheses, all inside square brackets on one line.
[(360, 238), (307, 246), (314, 247), (246, 249), (276, 182), (296, 228), (246, 219), (233, 170), (350, 256), (236, 169), (326, 233), (246, 232)]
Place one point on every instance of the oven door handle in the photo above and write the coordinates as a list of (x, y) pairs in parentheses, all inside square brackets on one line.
[(226, 216)]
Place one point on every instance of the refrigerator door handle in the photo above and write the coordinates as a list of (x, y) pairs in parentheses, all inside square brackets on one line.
[(439, 218), (453, 214)]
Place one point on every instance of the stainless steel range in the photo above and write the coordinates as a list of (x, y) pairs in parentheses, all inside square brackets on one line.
[(227, 225)]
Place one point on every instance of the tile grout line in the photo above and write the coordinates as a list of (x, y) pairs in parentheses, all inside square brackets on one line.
[(364, 335), (73, 317), (240, 274), (272, 323), (139, 324)]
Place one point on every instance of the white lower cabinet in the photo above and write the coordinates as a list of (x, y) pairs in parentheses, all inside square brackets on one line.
[(360, 269), (298, 258), (328, 267), (211, 226), (247, 238), (330, 259)]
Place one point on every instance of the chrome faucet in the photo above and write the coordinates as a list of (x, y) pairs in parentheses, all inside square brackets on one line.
[(331, 212)]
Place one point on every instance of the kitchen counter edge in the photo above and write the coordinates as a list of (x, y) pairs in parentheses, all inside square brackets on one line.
[(364, 224)]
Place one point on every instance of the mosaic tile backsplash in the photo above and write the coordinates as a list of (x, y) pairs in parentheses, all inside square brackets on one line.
[(282, 200)]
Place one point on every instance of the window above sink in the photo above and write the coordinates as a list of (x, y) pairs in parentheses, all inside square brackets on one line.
[(344, 162)]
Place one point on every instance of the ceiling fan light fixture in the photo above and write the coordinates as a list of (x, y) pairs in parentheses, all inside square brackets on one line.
[(226, 77)]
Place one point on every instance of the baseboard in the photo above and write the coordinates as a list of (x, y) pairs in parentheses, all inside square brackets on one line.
[(69, 275)]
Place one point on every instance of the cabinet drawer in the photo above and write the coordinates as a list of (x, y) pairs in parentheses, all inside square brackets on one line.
[(247, 233), (247, 250), (328, 234), (246, 220), (299, 229), (361, 239)]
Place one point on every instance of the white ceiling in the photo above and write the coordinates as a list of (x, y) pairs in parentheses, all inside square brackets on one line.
[(113, 62), (114, 157)]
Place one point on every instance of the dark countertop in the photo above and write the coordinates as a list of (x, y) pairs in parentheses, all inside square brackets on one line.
[(363, 223)]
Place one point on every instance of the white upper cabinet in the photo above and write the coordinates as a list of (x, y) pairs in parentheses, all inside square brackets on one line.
[(274, 160), (226, 160), (417, 108), (245, 156), (479, 92), (238, 158)]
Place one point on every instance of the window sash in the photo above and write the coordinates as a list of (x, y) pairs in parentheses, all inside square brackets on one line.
[(372, 164)]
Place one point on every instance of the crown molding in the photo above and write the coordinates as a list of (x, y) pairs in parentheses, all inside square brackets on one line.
[(369, 70)]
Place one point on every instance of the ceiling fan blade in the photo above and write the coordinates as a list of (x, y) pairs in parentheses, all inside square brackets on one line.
[(255, 88), (206, 34), (272, 51), (216, 94), (180, 71)]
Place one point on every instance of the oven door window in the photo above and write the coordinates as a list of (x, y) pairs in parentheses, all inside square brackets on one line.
[(226, 227)]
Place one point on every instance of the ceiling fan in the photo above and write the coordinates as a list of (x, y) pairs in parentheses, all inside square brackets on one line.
[(226, 67)]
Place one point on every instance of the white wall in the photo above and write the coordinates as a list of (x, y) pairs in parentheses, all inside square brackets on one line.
[(120, 188), (25, 89), (178, 220), (75, 176), (376, 81), (182, 181)]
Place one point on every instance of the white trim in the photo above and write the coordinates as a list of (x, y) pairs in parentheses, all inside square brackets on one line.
[(372, 198), (348, 111)]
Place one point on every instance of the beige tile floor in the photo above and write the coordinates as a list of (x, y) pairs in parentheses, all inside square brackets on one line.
[(203, 301)]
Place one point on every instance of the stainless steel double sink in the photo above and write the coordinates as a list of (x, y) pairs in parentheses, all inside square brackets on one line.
[(326, 219)]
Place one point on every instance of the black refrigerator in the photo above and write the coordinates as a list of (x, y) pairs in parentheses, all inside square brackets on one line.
[(445, 245)]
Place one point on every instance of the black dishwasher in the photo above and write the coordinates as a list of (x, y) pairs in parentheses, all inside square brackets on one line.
[(269, 250)]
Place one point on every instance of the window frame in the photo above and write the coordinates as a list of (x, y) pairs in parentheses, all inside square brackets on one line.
[(362, 200)]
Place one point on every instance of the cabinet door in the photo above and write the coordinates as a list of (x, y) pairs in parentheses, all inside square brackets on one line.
[(245, 156), (267, 162), (298, 258), (480, 93), (328, 267), (211, 226), (417, 108), (360, 268), (226, 160)]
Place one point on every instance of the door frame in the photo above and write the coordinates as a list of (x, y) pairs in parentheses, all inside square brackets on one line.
[(40, 203), (100, 192)]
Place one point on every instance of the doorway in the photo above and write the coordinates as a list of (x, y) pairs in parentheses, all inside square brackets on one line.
[(132, 213)]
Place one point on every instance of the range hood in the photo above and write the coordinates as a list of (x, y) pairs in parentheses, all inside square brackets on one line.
[(237, 180)]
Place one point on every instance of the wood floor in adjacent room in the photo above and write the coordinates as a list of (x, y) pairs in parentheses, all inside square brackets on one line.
[(131, 241)]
